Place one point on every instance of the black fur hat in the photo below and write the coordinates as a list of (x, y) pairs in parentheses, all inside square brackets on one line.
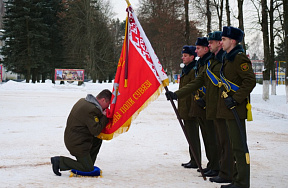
[(216, 35), (189, 50), (202, 41), (233, 33)]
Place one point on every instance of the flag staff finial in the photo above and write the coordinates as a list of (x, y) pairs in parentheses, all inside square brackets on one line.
[(128, 3)]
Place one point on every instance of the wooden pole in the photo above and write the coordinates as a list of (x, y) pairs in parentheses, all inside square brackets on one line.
[(186, 135)]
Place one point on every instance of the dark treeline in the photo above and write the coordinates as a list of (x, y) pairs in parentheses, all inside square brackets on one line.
[(41, 35)]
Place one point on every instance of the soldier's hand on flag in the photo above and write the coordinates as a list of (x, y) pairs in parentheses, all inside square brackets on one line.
[(171, 95), (230, 102)]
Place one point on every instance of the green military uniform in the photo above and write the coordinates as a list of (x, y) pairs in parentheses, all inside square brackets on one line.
[(84, 123), (184, 105), (207, 126), (237, 68), (225, 153)]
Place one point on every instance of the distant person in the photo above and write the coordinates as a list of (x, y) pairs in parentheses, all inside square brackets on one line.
[(85, 122)]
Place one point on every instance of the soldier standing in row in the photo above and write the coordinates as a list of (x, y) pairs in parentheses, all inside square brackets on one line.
[(238, 81), (212, 77), (199, 111), (198, 107), (209, 78), (184, 105)]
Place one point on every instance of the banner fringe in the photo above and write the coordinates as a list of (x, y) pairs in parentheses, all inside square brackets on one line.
[(125, 127)]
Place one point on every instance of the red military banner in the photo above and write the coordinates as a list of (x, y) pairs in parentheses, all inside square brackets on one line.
[(139, 79)]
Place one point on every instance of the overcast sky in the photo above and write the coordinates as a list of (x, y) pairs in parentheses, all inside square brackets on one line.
[(119, 7)]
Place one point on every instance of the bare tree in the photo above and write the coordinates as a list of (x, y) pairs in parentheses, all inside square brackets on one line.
[(218, 4), (209, 16), (266, 72), (241, 20), (275, 13), (285, 7), (203, 8), (187, 25), (272, 53), (168, 39), (228, 13)]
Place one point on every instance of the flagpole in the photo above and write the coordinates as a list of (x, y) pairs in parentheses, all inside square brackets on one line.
[(128, 3), (175, 109), (186, 135)]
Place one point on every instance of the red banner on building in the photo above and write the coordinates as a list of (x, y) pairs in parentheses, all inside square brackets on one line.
[(139, 79)]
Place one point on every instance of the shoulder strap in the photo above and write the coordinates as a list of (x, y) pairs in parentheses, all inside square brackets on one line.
[(202, 89), (229, 86), (213, 78)]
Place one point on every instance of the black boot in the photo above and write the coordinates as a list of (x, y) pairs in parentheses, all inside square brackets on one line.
[(190, 165), (184, 164), (204, 170), (230, 186), (55, 161), (218, 179), (211, 173)]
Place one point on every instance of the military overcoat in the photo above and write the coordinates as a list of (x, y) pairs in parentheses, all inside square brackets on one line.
[(84, 122), (212, 91), (184, 104), (196, 110), (237, 68)]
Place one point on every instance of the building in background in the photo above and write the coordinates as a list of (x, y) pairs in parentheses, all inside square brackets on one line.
[(258, 67)]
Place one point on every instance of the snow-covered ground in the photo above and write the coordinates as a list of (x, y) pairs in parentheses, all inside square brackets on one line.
[(32, 123)]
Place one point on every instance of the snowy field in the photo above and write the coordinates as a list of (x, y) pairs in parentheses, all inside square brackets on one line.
[(32, 123)]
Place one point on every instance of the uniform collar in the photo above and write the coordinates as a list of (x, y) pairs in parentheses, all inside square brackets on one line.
[(202, 61), (188, 68), (231, 55), (219, 55), (90, 98)]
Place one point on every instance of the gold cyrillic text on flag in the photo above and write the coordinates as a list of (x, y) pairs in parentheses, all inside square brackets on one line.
[(130, 102), (137, 94)]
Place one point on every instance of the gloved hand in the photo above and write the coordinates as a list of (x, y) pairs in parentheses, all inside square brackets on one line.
[(201, 103), (230, 102), (170, 94)]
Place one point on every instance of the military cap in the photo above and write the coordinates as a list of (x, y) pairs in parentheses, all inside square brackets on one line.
[(189, 50), (202, 41), (233, 33), (216, 35)]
